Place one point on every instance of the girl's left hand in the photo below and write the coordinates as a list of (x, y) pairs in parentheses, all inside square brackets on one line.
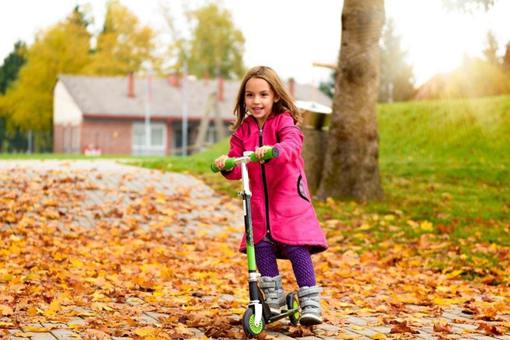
[(261, 151)]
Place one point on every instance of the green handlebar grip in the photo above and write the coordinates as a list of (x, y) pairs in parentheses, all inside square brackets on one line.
[(271, 153), (230, 163)]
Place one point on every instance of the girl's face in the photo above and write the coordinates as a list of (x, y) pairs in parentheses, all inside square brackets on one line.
[(259, 99)]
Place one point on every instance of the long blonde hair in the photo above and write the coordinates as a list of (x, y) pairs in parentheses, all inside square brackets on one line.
[(285, 102)]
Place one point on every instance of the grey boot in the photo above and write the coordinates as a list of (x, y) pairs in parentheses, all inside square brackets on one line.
[(309, 300), (273, 292)]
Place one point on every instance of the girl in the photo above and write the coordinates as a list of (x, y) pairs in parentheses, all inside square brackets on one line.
[(284, 221)]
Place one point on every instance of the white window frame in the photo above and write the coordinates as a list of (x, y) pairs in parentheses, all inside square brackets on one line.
[(153, 150)]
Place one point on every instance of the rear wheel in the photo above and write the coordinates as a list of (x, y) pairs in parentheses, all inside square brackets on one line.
[(293, 303), (251, 329)]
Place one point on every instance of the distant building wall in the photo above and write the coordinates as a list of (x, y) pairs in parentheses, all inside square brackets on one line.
[(66, 138), (110, 136), (65, 110)]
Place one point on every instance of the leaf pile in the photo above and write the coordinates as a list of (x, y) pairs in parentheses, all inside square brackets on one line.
[(155, 255)]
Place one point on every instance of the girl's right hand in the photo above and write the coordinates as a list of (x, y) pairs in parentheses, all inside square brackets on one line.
[(220, 162)]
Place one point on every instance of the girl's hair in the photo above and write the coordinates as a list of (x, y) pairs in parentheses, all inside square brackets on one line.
[(284, 103)]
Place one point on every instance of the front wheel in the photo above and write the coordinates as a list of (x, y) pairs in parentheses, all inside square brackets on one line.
[(250, 328), (293, 304)]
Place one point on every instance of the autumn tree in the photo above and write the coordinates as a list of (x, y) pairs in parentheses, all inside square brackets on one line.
[(63, 48), (396, 75), (123, 45), (215, 47)]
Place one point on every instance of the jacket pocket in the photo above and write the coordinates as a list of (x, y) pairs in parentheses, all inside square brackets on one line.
[(301, 188)]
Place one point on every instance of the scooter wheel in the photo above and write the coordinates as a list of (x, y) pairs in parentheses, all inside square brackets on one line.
[(250, 328), (293, 304)]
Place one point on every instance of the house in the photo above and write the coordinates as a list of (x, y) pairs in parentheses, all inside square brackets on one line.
[(113, 115)]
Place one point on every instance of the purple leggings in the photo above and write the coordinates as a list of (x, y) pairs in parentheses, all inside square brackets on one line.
[(299, 256)]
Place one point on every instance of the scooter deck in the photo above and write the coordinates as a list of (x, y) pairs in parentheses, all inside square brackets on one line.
[(284, 314)]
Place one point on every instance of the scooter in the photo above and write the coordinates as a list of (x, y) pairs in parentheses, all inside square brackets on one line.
[(257, 314)]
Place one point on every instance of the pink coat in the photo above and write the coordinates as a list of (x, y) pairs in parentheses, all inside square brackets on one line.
[(281, 204)]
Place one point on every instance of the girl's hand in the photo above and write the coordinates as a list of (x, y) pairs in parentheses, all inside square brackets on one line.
[(260, 152), (220, 162)]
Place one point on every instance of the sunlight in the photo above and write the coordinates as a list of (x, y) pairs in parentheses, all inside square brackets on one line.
[(437, 40)]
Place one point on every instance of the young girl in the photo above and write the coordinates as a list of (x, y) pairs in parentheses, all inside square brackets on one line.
[(284, 221)]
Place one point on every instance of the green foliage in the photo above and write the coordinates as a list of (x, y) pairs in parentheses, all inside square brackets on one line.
[(396, 75), (328, 87), (123, 45), (8, 74), (216, 46), (11, 66)]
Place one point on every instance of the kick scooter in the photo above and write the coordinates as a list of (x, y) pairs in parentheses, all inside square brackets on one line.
[(257, 314)]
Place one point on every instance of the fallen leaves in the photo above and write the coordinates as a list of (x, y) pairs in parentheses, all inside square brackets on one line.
[(153, 254)]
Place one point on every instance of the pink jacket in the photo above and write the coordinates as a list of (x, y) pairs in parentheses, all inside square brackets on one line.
[(281, 204)]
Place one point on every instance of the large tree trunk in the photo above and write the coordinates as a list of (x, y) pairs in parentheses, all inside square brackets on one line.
[(351, 168)]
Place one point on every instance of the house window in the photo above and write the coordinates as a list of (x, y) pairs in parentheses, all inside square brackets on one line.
[(157, 145)]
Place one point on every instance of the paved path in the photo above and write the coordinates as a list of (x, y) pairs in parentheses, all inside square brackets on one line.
[(107, 182)]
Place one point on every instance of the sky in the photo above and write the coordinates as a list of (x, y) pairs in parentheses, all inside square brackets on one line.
[(291, 35)]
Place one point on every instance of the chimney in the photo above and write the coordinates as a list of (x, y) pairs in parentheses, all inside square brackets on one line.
[(221, 89), (131, 85), (174, 79), (291, 84)]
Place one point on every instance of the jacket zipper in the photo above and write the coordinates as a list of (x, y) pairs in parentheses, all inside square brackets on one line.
[(266, 194)]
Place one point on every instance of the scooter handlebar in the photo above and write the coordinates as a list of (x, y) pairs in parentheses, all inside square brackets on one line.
[(232, 162)]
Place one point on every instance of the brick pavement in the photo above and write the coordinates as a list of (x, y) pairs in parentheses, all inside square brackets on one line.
[(117, 183)]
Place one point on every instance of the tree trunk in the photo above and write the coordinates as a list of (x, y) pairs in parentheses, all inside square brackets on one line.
[(351, 168), (313, 155)]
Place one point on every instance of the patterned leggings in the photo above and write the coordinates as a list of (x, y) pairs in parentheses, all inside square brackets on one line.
[(299, 256)]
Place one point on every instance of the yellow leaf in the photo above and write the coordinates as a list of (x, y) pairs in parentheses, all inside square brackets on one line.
[(378, 336), (147, 331), (455, 273), (364, 226), (426, 226), (76, 263), (5, 310), (446, 302), (36, 329)]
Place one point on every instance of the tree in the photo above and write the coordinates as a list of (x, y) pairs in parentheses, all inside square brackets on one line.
[(123, 45), (328, 87), (11, 66), (506, 58), (216, 46), (351, 166), (63, 48), (396, 77), (491, 50), (8, 74)]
